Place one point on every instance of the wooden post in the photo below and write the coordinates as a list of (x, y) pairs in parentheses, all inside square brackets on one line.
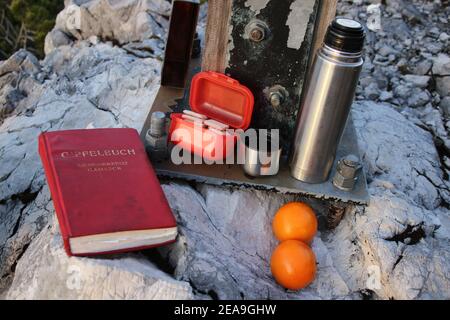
[(217, 34), (326, 14)]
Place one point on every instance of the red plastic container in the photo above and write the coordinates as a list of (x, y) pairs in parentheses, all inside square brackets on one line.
[(218, 97)]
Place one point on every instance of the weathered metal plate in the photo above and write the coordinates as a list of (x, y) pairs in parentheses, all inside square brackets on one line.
[(170, 99), (281, 59), (283, 182)]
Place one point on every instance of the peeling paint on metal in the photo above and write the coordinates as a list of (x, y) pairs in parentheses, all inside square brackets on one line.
[(297, 22), (256, 5)]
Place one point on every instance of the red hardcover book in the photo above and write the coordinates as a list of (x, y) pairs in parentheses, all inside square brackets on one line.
[(106, 195)]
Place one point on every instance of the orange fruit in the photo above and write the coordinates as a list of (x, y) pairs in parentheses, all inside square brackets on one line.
[(293, 264), (295, 221)]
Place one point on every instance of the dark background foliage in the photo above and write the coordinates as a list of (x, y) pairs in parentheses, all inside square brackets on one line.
[(25, 23)]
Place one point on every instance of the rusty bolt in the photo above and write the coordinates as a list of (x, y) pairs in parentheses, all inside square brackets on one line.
[(257, 34), (276, 95), (276, 99), (256, 31)]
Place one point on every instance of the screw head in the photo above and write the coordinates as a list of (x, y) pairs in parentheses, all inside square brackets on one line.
[(257, 34), (256, 30), (158, 115), (275, 99)]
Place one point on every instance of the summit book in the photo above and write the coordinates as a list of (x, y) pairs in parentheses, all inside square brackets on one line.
[(106, 195)]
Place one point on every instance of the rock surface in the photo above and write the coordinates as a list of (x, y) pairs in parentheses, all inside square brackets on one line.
[(398, 247), (402, 236), (405, 229), (407, 60), (84, 86), (119, 21), (226, 243), (45, 272)]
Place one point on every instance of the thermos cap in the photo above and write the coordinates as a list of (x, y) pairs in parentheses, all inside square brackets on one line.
[(345, 34)]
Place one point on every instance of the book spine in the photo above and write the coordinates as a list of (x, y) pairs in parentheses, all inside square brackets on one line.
[(53, 184)]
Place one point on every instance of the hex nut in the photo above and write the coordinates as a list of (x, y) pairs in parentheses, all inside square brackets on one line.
[(347, 172), (156, 143)]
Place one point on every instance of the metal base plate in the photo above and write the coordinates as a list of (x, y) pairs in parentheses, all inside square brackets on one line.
[(283, 182), (173, 99)]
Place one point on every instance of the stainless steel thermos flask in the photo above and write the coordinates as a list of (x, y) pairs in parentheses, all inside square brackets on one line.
[(326, 103)]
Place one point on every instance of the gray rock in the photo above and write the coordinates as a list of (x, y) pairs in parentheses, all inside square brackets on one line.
[(9, 97), (417, 81), (386, 95), (418, 98), (444, 37), (445, 106), (407, 188), (224, 249), (381, 79), (441, 65), (432, 118), (121, 21), (402, 91), (46, 272), (409, 154), (434, 31), (8, 79), (20, 79), (418, 50), (94, 40), (397, 247), (373, 17), (434, 47), (443, 85), (402, 31), (100, 86), (423, 67), (226, 243), (151, 48), (54, 39), (385, 51), (20, 61), (366, 80), (371, 91), (23, 219), (410, 12)]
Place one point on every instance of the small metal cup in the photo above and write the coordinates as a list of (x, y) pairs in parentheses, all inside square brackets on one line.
[(261, 160)]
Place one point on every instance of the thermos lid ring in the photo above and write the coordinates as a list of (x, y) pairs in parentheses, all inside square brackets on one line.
[(345, 34)]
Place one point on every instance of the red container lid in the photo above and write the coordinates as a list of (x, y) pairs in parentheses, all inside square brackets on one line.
[(221, 98)]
